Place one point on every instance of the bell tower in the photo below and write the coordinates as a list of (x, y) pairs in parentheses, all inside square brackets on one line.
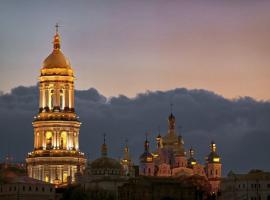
[(146, 161), (56, 153), (213, 168)]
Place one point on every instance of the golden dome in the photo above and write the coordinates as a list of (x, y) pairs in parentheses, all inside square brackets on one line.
[(56, 63), (56, 60)]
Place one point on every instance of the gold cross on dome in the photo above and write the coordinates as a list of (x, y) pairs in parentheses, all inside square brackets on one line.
[(104, 138), (146, 135), (57, 27), (171, 107)]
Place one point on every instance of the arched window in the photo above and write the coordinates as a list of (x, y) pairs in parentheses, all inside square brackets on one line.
[(51, 99), (48, 140), (37, 140), (46, 178), (63, 140), (62, 103), (65, 175)]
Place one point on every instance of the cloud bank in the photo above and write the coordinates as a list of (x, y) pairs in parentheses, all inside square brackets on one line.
[(240, 127)]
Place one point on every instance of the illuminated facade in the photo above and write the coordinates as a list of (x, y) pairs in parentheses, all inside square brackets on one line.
[(56, 157), (170, 159)]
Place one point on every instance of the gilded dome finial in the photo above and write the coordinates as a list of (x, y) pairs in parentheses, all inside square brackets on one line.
[(104, 148), (56, 27), (171, 119), (56, 41), (171, 107), (126, 151), (146, 143), (213, 146)]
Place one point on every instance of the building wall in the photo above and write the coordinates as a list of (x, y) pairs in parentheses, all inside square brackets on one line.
[(24, 191), (251, 189), (145, 190)]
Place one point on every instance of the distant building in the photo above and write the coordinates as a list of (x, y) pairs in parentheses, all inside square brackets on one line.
[(14, 185), (254, 185), (165, 188), (170, 160), (56, 155), (107, 174)]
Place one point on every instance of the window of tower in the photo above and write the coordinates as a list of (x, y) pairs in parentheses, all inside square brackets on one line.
[(65, 175), (46, 178), (62, 104), (51, 99), (48, 140), (63, 140)]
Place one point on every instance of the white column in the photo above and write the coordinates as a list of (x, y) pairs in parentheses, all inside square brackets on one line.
[(72, 97), (77, 141), (43, 98), (35, 139), (69, 98)]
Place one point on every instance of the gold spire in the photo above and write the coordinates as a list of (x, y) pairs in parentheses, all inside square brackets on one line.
[(191, 152), (191, 161), (213, 146), (146, 143), (56, 63), (171, 121), (56, 40), (104, 148), (126, 151), (213, 157)]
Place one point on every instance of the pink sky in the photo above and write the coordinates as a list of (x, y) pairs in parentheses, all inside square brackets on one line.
[(127, 47)]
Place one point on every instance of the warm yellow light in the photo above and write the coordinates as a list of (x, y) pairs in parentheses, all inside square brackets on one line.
[(124, 161), (155, 155), (216, 159), (63, 140), (149, 159), (48, 139), (65, 175), (46, 178), (193, 163)]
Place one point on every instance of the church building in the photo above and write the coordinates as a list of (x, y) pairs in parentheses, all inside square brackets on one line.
[(56, 156), (170, 159)]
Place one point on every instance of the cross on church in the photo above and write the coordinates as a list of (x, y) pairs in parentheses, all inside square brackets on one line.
[(57, 27), (171, 107), (104, 138), (146, 135)]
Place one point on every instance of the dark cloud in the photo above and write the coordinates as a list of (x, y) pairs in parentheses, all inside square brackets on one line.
[(240, 127)]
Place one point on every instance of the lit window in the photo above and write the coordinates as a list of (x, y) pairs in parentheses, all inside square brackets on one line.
[(61, 100), (46, 178), (52, 98), (48, 139), (63, 140)]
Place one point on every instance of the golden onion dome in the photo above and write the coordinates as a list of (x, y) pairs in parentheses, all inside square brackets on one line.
[(56, 63)]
